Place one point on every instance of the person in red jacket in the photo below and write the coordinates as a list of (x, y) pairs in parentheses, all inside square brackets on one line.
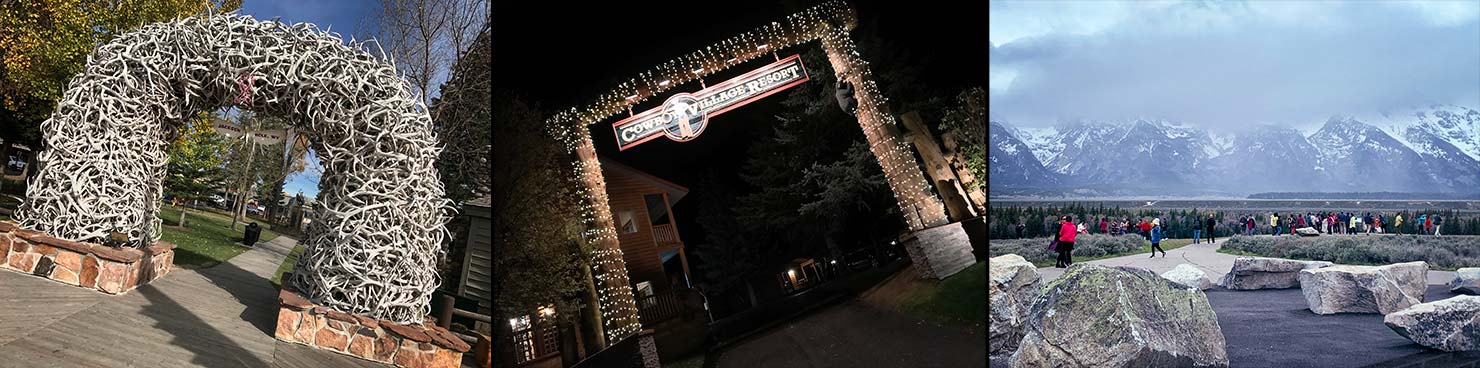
[(1065, 247), (1104, 226)]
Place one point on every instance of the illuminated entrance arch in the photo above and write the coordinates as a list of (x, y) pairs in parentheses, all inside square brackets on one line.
[(377, 229), (942, 251)]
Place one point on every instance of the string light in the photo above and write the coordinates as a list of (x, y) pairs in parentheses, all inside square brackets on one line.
[(828, 22)]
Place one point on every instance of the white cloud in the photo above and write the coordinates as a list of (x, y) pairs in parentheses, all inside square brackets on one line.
[(1225, 63)]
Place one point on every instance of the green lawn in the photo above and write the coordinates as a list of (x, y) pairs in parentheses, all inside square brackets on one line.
[(286, 267), (1145, 248), (207, 239), (959, 300)]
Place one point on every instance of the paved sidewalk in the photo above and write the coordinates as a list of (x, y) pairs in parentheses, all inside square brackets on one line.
[(1204, 256), (221, 316), (856, 334)]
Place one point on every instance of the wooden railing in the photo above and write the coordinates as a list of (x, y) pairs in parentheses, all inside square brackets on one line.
[(662, 307), (664, 234)]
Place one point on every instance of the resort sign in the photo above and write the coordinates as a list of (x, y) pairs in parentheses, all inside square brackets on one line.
[(683, 116)]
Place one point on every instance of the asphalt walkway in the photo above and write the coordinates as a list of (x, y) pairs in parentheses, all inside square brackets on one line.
[(221, 316), (856, 334), (1275, 328), (1204, 256)]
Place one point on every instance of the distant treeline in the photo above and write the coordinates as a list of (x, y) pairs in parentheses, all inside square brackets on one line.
[(1364, 195), (1039, 221)]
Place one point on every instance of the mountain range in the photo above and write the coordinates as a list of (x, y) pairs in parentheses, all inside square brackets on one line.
[(1429, 149)]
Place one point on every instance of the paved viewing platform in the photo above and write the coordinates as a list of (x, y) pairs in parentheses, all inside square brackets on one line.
[(1204, 256), (1275, 327), (221, 316)]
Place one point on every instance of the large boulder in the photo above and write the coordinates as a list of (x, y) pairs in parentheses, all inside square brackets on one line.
[(1015, 283), (1253, 273), (1307, 231), (1450, 325), (1364, 289), (1466, 280), (1189, 276), (1097, 316)]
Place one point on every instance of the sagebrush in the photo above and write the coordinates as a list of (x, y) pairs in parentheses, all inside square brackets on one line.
[(1085, 245), (1448, 252)]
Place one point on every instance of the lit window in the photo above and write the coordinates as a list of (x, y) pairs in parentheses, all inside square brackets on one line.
[(625, 222), (520, 323)]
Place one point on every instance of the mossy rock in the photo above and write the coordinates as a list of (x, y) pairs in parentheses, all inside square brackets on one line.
[(1096, 316)]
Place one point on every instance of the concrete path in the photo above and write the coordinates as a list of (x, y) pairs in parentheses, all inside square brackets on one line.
[(1275, 328), (1204, 256), (221, 316), (856, 334)]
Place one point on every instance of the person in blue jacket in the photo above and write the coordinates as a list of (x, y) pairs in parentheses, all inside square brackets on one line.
[(1156, 238)]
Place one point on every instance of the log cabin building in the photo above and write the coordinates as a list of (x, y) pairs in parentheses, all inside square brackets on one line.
[(642, 207)]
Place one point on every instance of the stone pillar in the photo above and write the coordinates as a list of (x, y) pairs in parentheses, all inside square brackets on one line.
[(920, 208), (648, 348), (614, 291), (938, 251), (941, 251), (946, 183)]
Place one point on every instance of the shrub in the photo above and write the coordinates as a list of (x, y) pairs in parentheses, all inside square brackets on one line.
[(1448, 252), (1085, 245)]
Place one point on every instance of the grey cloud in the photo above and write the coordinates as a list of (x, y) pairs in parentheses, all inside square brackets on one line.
[(1225, 65)]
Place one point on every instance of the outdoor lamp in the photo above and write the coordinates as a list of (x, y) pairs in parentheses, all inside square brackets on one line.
[(792, 273)]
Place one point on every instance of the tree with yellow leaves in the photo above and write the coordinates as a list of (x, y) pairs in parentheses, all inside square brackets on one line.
[(44, 43)]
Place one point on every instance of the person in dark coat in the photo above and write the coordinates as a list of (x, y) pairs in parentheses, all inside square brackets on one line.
[(1065, 247), (1209, 228)]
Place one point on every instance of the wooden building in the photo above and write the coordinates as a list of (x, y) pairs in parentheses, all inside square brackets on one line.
[(642, 207), (477, 272)]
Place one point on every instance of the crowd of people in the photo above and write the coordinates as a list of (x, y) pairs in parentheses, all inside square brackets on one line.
[(1336, 223), (1342, 223)]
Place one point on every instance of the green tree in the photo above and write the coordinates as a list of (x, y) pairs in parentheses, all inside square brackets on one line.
[(195, 169), (264, 166), (43, 43), (818, 191), (967, 121), (539, 259)]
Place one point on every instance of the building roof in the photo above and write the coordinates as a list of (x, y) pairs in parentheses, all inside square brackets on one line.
[(675, 191)]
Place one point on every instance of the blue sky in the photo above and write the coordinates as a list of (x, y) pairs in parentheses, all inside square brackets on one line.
[(1221, 64), (341, 16)]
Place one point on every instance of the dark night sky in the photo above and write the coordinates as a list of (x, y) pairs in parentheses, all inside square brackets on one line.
[(559, 54)]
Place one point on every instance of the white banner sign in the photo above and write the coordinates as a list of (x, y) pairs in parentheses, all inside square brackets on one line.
[(259, 137), (227, 129)]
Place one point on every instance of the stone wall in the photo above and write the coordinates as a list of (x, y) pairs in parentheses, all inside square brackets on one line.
[(414, 346), (93, 266), (940, 251)]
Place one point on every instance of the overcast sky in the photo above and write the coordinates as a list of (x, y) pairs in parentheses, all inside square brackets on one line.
[(1223, 64)]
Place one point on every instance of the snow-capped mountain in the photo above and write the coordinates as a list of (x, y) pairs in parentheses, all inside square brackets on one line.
[(1010, 162), (1457, 125), (1364, 158), (1434, 149), (1268, 158), (1149, 152)]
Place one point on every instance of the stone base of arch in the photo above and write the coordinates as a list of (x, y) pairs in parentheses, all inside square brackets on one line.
[(301, 321), (940, 251), (86, 265)]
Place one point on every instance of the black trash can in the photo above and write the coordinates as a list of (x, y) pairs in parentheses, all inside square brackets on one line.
[(252, 234)]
